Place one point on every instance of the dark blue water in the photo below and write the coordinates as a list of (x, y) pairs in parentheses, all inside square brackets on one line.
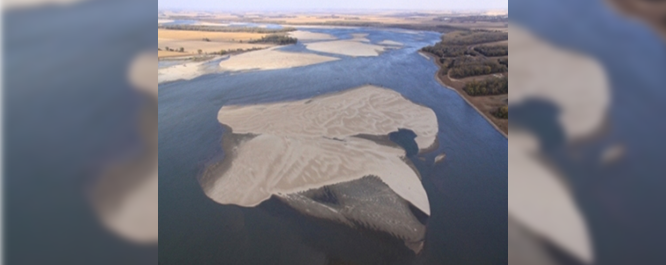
[(68, 115), (467, 191), (622, 203)]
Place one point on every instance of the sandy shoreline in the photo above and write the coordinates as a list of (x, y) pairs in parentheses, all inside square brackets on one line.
[(267, 59), (185, 71), (315, 144)]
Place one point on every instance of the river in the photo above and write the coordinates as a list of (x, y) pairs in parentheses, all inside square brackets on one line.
[(467, 191)]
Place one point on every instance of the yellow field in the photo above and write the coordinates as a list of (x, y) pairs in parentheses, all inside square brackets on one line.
[(192, 41), (161, 54), (213, 36)]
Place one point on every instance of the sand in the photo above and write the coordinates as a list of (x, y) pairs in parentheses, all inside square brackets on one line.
[(135, 211), (271, 59), (357, 47), (141, 73), (268, 59), (270, 164), (125, 195), (310, 36), (539, 200), (199, 35), (185, 71), (367, 110), (311, 143), (390, 43), (439, 158), (192, 46), (576, 84), (192, 41), (213, 24)]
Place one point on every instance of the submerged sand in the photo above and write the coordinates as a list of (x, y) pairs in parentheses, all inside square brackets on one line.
[(296, 146), (271, 59)]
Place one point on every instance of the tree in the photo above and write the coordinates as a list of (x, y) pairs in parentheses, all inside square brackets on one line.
[(276, 39), (502, 112), (489, 86), (181, 49), (199, 51)]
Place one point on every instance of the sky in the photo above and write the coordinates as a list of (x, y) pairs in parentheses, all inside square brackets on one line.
[(257, 5)]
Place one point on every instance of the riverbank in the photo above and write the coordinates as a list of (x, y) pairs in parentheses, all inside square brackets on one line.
[(484, 104)]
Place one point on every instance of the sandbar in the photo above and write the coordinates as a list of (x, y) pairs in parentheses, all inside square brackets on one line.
[(311, 36), (272, 59), (390, 43), (354, 47), (185, 71), (291, 147), (368, 110), (577, 84)]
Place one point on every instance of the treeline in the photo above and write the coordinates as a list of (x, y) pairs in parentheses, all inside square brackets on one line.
[(473, 19), (441, 50), (473, 37), (487, 87), (276, 39), (497, 50), (181, 49), (225, 29), (457, 43), (353, 23), (502, 112), (239, 50), (504, 61), (470, 66)]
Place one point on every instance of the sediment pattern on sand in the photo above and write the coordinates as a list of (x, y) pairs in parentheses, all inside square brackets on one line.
[(337, 141)]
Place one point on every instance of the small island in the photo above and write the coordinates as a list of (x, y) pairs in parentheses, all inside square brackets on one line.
[(351, 146)]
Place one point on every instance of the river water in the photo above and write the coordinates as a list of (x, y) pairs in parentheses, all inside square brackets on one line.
[(623, 203), (467, 191)]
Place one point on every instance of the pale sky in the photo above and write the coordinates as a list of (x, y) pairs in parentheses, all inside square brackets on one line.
[(333, 4)]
